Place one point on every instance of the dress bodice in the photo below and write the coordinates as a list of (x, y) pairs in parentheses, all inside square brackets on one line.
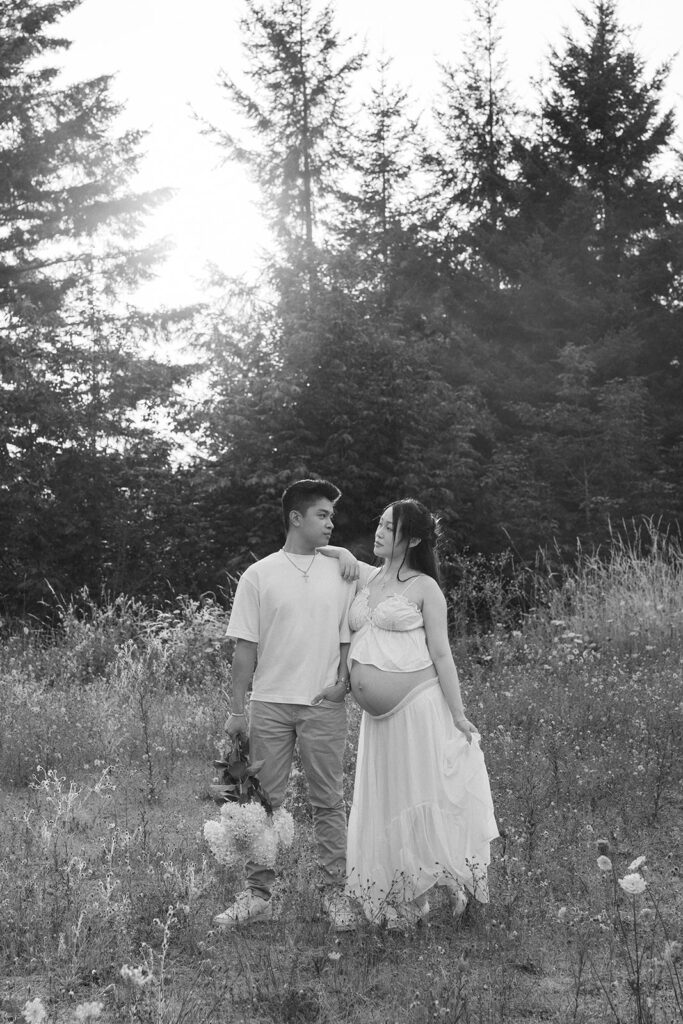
[(393, 612), (390, 636)]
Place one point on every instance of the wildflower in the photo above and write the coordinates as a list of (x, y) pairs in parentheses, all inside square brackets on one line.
[(636, 864), (671, 951), (137, 976), (633, 884), (34, 1012), (562, 914), (88, 1011), (604, 863), (334, 956)]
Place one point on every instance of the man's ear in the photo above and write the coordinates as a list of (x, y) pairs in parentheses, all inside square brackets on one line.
[(295, 517)]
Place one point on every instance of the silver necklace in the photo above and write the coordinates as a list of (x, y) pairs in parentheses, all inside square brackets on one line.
[(304, 572), (386, 580)]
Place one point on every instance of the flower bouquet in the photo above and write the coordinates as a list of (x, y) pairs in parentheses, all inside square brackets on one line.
[(247, 828)]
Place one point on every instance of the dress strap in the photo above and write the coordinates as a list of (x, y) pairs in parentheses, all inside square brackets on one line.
[(410, 582)]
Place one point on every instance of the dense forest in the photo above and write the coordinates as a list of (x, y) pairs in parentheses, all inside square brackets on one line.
[(482, 310)]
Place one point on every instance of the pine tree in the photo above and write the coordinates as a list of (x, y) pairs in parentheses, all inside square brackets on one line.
[(594, 201), (471, 171), (472, 165), (73, 445), (374, 229), (260, 352), (591, 254), (339, 379), (295, 109), (605, 129)]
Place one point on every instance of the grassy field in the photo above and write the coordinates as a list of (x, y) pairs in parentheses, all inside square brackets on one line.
[(107, 889)]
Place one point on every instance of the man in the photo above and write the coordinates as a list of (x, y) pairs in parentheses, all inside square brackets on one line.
[(289, 621)]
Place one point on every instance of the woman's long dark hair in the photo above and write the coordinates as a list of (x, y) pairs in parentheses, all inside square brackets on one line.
[(415, 522)]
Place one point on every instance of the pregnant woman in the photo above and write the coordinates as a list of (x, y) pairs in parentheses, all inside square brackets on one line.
[(422, 813)]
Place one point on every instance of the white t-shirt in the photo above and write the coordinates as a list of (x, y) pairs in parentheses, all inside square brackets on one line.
[(298, 624)]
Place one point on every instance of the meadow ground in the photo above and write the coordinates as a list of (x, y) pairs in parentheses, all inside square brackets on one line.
[(107, 888)]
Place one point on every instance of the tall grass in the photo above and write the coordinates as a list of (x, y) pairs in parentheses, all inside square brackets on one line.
[(629, 596), (113, 685), (108, 731)]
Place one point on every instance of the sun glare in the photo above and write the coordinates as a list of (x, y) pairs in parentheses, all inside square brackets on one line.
[(166, 68), (212, 219)]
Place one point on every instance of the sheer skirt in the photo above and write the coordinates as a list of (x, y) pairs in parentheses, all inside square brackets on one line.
[(422, 813)]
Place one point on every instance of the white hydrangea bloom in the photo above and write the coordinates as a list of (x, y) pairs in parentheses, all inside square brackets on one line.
[(245, 832), (89, 1011), (633, 884), (137, 976), (671, 952), (34, 1012)]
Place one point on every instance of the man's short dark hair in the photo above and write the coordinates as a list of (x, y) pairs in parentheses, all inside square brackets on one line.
[(303, 493)]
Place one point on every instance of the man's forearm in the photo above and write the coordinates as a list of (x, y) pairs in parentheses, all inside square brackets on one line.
[(243, 666)]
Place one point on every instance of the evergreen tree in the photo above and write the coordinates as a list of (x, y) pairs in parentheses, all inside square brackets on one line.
[(339, 380), (595, 207), (73, 445), (374, 228), (471, 170), (605, 129), (296, 112), (591, 254), (472, 165)]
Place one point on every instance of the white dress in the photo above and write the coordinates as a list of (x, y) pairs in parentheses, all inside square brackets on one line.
[(422, 813)]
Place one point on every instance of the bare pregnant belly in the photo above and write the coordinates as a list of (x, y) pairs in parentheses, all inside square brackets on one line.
[(378, 692)]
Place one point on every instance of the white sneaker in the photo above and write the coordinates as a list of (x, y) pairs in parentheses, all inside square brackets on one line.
[(337, 906), (247, 907), (458, 902)]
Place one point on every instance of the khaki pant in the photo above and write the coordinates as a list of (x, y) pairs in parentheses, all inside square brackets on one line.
[(274, 730)]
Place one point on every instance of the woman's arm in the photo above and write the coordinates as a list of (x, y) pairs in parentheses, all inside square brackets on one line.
[(436, 628)]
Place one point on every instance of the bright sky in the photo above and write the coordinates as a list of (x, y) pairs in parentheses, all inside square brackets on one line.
[(167, 54)]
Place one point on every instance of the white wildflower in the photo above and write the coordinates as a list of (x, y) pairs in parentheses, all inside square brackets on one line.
[(136, 976), (604, 863), (633, 884), (89, 1011), (34, 1012), (636, 864), (671, 951), (562, 914), (334, 956)]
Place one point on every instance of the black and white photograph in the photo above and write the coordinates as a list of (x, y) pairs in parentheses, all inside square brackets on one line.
[(341, 512)]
